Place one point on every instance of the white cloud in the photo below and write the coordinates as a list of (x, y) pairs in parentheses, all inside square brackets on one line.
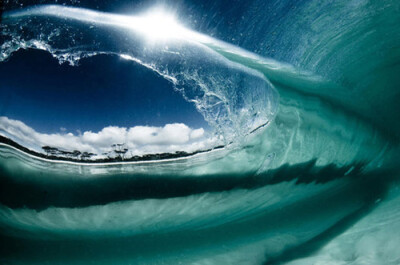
[(196, 134), (176, 133), (106, 137), (139, 139)]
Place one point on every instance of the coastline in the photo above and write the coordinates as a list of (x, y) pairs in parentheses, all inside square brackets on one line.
[(147, 158)]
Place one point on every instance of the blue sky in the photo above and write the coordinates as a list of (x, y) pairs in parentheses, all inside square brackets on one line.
[(102, 91)]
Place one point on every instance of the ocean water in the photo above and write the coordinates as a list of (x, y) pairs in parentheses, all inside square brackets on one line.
[(301, 99)]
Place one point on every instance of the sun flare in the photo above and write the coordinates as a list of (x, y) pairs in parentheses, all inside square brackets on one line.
[(159, 25)]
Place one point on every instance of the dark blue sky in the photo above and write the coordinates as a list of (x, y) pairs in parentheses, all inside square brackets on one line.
[(103, 90)]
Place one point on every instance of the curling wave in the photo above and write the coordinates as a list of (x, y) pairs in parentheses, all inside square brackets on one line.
[(321, 175)]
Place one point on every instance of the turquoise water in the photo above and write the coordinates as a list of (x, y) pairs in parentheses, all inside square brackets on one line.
[(317, 185)]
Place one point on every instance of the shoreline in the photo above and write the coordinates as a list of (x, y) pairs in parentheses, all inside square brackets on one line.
[(148, 158)]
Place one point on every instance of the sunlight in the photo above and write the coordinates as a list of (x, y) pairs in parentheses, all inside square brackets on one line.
[(159, 25), (155, 25)]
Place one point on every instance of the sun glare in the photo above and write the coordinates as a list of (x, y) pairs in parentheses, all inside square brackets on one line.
[(159, 25)]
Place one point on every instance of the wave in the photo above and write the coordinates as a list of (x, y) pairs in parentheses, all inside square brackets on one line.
[(235, 90), (319, 183)]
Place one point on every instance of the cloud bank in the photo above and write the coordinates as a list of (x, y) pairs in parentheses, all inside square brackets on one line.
[(139, 139)]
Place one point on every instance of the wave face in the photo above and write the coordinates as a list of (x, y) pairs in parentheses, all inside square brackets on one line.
[(304, 96)]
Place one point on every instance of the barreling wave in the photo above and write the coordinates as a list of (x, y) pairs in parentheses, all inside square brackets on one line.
[(320, 178)]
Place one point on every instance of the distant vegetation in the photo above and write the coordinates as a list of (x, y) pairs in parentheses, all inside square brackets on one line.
[(117, 154), (76, 154)]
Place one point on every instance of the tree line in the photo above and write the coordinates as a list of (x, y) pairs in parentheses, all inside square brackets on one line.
[(118, 153), (54, 151)]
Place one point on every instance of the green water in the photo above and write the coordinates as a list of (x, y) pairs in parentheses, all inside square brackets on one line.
[(318, 184)]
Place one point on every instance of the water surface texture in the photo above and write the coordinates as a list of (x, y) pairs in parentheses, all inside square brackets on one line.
[(200, 132)]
